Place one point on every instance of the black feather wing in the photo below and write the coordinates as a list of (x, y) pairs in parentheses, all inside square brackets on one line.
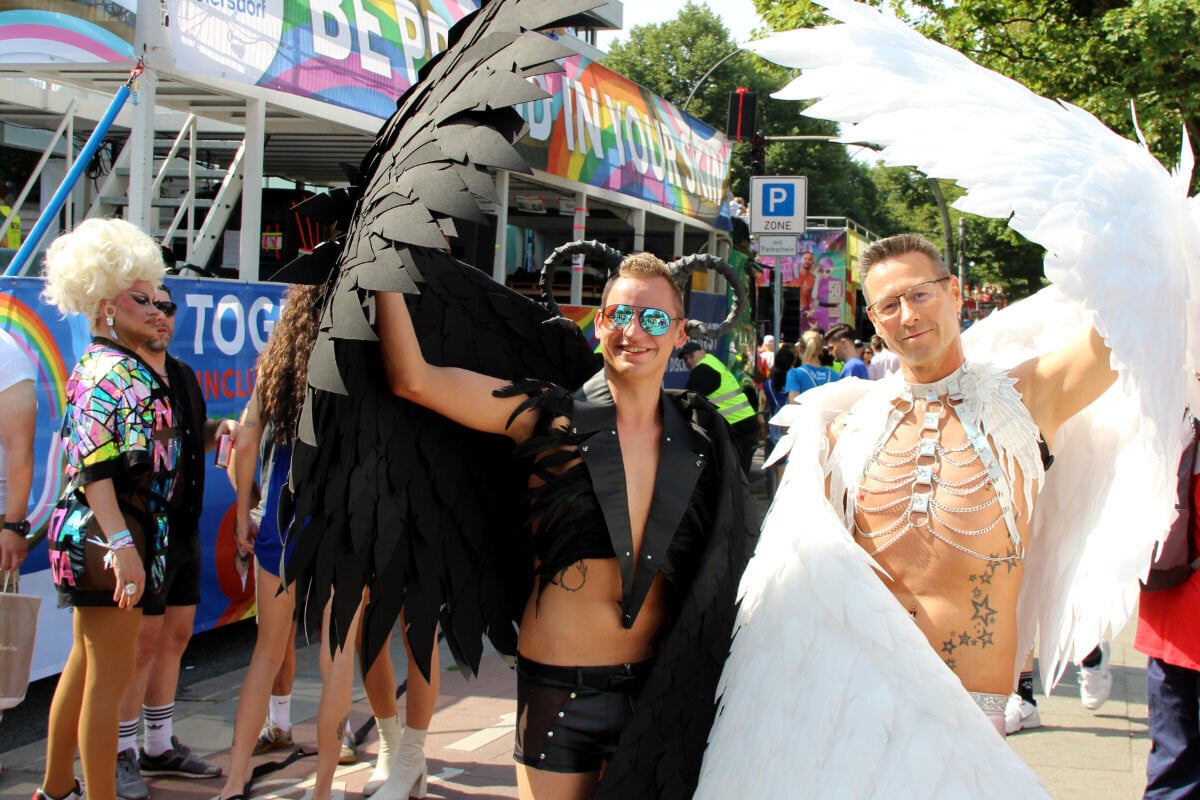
[(395, 498), (388, 496)]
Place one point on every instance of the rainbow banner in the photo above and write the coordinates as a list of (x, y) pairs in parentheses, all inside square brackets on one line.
[(220, 328), (357, 54), (604, 130), (64, 32)]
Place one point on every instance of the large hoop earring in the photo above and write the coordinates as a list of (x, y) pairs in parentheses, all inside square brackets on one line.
[(108, 319)]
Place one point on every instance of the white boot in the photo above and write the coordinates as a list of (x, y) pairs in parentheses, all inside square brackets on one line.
[(409, 773), (389, 749)]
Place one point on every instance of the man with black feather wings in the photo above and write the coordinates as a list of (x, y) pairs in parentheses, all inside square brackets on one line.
[(618, 540)]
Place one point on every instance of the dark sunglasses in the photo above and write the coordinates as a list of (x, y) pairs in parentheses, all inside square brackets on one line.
[(654, 321), (167, 307)]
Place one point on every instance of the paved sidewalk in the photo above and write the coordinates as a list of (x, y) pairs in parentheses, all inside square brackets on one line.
[(469, 747), (1098, 755), (1079, 754)]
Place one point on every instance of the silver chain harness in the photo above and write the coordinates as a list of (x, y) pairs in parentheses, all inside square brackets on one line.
[(920, 509)]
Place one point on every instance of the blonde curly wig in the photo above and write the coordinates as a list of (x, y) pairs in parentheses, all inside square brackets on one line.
[(99, 259)]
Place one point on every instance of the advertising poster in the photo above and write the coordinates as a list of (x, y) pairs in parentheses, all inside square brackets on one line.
[(357, 54), (220, 328), (818, 271)]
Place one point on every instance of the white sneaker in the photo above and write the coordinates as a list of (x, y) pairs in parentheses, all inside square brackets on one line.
[(1020, 715), (1095, 683)]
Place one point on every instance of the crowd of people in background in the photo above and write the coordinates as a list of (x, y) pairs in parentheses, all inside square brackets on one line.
[(124, 539)]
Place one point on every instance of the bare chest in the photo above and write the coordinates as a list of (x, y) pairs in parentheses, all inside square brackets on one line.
[(932, 502), (640, 455)]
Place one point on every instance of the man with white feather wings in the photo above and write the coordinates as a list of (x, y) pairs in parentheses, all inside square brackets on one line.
[(917, 544)]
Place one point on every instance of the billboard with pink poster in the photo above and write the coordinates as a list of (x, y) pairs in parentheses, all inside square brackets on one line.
[(818, 270)]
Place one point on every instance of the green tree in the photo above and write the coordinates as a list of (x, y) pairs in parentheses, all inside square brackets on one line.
[(1097, 54), (673, 59), (998, 254)]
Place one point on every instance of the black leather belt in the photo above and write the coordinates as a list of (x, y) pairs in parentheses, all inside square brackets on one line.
[(618, 676)]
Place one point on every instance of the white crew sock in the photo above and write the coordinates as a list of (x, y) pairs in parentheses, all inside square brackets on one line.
[(158, 720), (127, 735), (280, 711)]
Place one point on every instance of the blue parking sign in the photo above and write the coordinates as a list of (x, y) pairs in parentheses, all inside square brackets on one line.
[(779, 199), (778, 204)]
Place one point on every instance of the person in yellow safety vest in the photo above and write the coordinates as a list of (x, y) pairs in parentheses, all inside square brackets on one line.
[(12, 236), (713, 379)]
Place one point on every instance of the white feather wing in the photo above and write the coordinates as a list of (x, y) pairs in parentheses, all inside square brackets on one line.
[(1122, 248), (830, 690)]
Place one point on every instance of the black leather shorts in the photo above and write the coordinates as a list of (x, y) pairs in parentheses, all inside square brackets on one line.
[(570, 718)]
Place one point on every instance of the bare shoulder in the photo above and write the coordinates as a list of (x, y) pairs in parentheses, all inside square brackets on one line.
[(1057, 385)]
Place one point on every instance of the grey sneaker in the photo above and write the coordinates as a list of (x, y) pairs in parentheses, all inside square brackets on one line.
[(272, 737), (130, 785), (179, 762)]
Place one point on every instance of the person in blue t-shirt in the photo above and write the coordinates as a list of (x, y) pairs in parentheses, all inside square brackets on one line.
[(841, 340), (810, 374)]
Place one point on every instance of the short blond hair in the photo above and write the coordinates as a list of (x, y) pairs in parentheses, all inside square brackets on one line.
[(895, 246), (96, 261), (644, 265)]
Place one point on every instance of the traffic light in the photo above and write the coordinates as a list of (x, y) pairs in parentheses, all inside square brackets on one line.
[(742, 110), (758, 154)]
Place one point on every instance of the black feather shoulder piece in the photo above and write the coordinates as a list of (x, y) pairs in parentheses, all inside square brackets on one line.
[(385, 495)]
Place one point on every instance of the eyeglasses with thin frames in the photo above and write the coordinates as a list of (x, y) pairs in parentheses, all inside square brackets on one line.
[(917, 296), (654, 321)]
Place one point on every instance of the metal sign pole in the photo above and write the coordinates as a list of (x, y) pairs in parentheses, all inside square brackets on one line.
[(777, 292)]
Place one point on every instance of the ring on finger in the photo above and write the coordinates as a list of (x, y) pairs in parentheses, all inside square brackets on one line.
[(131, 588)]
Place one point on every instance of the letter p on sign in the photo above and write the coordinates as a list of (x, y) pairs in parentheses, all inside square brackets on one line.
[(780, 199)]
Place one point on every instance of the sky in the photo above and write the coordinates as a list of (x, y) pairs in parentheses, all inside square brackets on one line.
[(739, 17)]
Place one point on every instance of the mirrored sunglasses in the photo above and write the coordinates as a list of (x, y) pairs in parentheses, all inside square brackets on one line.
[(654, 321), (167, 307)]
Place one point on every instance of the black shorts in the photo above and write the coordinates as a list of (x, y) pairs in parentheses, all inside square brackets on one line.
[(570, 718), (181, 578)]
